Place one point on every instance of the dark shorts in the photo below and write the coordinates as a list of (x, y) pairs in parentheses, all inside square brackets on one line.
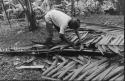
[(56, 27)]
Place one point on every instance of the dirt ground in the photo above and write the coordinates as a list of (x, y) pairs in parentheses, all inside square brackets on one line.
[(19, 36)]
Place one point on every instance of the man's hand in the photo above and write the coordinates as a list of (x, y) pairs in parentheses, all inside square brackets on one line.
[(80, 41), (70, 43)]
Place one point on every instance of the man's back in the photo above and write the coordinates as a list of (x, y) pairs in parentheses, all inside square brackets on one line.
[(58, 18)]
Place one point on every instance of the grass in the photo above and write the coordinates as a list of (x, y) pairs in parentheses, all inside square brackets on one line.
[(19, 36)]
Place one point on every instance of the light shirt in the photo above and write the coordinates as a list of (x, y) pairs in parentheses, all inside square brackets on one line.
[(58, 18)]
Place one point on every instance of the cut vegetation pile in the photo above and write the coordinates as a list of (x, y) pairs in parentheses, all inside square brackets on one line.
[(101, 59), (84, 68)]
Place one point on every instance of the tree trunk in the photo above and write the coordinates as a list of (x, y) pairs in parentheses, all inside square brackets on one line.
[(72, 8), (122, 6), (58, 2), (3, 6), (30, 16)]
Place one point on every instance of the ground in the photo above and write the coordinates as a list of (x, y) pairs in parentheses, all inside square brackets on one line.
[(19, 36)]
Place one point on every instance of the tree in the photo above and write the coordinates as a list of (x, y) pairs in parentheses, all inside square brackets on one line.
[(121, 2), (30, 16), (3, 6), (58, 2), (72, 8)]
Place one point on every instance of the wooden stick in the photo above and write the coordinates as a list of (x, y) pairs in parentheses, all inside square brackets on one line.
[(31, 67), (47, 51)]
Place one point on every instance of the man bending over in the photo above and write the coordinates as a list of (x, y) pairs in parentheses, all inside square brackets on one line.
[(61, 22)]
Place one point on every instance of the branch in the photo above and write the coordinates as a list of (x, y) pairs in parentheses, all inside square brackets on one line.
[(31, 67)]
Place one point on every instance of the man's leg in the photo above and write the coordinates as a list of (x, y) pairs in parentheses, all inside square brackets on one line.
[(49, 28), (56, 27)]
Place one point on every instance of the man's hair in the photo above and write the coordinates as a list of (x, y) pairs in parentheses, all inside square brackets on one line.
[(74, 23)]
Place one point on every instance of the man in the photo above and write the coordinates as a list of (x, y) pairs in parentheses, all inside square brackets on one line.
[(61, 22)]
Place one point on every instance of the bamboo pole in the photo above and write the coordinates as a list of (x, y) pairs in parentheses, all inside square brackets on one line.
[(45, 51)]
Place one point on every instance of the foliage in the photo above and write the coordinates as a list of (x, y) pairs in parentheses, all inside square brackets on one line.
[(80, 68), (76, 69), (81, 7), (105, 40)]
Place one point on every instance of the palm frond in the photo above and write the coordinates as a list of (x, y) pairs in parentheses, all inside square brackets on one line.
[(105, 42), (80, 68)]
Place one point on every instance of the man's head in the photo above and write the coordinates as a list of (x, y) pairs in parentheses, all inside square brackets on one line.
[(74, 23)]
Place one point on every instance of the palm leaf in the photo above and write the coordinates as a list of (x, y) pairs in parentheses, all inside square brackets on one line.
[(74, 38), (104, 41), (108, 39), (122, 42), (91, 41), (86, 33), (97, 39), (58, 46)]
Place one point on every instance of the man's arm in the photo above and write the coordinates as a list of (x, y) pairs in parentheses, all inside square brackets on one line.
[(80, 41), (78, 35), (62, 36)]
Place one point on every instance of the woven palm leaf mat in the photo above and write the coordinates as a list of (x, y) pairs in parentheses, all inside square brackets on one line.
[(87, 64)]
